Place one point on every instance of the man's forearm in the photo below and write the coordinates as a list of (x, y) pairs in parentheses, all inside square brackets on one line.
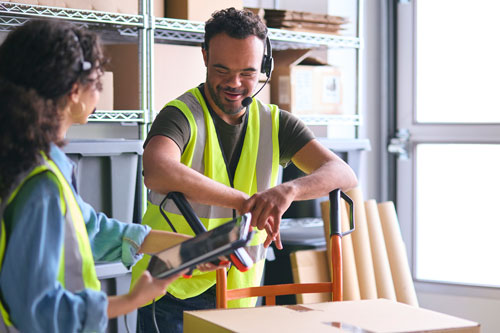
[(331, 175), (172, 176)]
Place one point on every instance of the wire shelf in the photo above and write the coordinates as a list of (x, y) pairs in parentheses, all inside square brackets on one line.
[(192, 31), (179, 36), (135, 116), (313, 39), (179, 25), (9, 8), (330, 119)]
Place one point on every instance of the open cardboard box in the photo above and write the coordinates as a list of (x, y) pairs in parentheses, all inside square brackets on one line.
[(367, 316), (304, 85), (106, 99)]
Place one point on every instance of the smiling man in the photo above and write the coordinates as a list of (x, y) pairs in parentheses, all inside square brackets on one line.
[(221, 147)]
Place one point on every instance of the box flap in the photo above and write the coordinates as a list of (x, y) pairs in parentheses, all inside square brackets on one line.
[(287, 58), (312, 61)]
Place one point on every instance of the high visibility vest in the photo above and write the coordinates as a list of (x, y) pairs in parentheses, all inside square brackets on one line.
[(76, 268), (257, 170)]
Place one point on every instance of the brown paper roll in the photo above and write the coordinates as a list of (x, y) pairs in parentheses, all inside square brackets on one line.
[(325, 214), (401, 275), (362, 250), (383, 277), (349, 276)]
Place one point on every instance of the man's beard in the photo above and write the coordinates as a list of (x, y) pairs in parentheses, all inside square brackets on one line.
[(218, 101)]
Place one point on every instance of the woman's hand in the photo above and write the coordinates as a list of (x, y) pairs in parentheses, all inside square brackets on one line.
[(145, 290), (147, 287)]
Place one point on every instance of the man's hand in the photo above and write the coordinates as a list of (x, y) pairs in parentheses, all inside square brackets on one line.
[(267, 207), (208, 266)]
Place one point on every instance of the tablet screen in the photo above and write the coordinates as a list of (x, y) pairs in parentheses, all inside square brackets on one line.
[(204, 247)]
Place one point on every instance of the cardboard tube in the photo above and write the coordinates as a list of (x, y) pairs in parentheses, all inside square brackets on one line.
[(383, 276), (401, 275), (325, 214), (362, 250), (349, 273)]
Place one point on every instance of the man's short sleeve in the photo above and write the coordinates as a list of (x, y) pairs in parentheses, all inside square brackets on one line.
[(293, 135), (172, 123)]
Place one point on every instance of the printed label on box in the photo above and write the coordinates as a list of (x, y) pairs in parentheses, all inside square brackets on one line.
[(303, 90), (331, 89), (284, 89)]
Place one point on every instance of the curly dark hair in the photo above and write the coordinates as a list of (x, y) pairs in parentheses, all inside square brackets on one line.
[(236, 23), (46, 55), (40, 62), (27, 126)]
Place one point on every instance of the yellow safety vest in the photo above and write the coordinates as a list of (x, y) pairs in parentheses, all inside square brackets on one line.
[(76, 268), (257, 170)]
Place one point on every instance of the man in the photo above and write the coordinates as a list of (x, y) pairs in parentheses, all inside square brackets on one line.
[(223, 154)]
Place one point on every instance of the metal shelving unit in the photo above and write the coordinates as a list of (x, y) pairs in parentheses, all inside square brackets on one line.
[(150, 30), (13, 14), (185, 32)]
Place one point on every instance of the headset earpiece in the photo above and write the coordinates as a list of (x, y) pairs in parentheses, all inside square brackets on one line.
[(267, 60)]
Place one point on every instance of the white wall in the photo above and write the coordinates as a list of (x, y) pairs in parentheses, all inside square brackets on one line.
[(371, 98)]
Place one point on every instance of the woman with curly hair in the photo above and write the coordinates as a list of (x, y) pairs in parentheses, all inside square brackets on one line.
[(50, 79)]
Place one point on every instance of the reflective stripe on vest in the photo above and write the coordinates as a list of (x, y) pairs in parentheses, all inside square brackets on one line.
[(76, 270), (257, 170), (260, 117)]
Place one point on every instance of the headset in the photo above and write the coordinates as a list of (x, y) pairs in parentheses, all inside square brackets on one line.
[(267, 60), (84, 64), (266, 67)]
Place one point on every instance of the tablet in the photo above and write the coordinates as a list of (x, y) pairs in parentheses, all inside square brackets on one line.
[(205, 247)]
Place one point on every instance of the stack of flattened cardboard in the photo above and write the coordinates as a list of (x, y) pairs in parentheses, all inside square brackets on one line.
[(303, 21)]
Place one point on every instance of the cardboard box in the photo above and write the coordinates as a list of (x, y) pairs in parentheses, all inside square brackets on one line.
[(106, 98), (177, 68), (265, 94), (197, 10), (310, 266), (112, 6), (304, 85), (304, 21), (373, 316)]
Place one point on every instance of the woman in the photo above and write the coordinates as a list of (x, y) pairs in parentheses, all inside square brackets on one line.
[(50, 236)]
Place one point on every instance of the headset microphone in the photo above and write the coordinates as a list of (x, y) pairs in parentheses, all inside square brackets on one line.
[(248, 100)]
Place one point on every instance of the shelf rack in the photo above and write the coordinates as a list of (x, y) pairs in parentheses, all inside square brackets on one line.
[(10, 8), (152, 30)]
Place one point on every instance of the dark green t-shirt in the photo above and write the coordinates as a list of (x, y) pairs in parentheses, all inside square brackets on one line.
[(292, 136)]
